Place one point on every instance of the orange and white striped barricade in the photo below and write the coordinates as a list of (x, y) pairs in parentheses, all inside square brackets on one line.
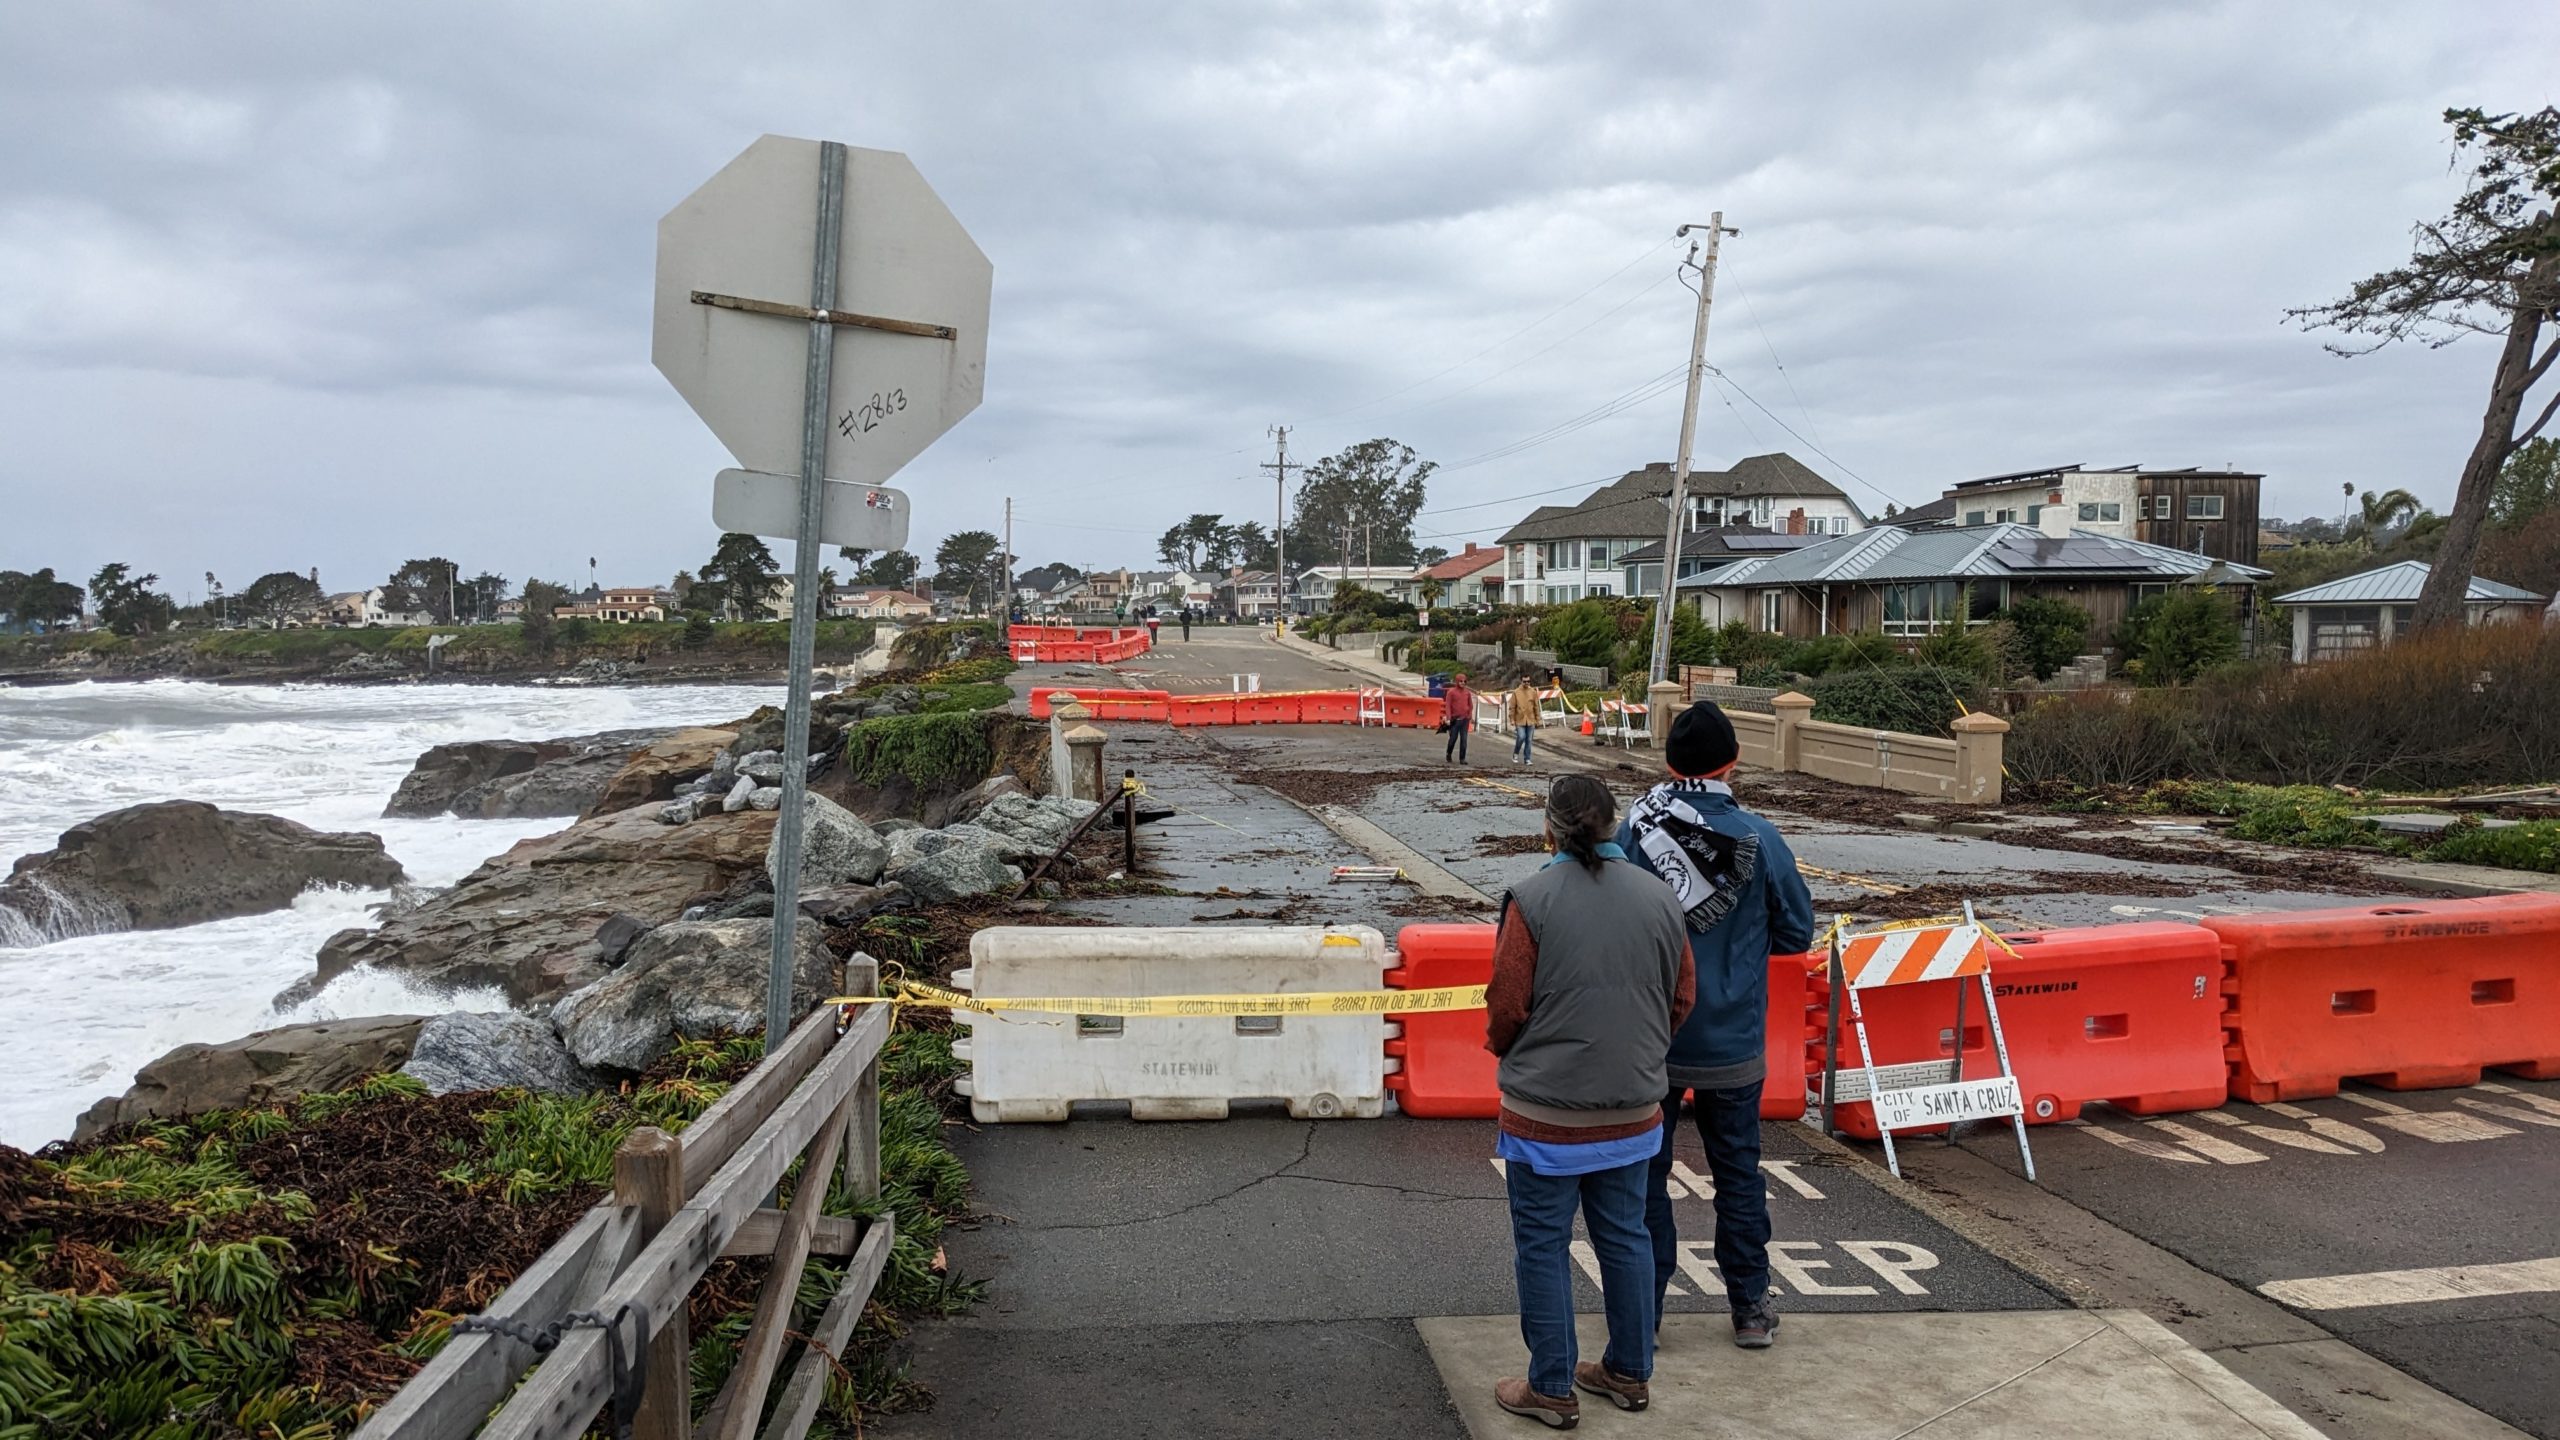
[(1920, 954), (1623, 720), (1492, 714), (1373, 705), (1552, 709)]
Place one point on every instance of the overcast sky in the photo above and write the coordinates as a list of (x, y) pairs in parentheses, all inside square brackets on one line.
[(330, 285)]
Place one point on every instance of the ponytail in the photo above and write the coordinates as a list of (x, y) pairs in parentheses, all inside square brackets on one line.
[(1581, 817)]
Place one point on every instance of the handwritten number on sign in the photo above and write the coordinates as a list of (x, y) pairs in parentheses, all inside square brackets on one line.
[(869, 415)]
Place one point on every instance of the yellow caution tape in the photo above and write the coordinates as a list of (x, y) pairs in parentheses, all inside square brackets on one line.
[(1314, 1003)]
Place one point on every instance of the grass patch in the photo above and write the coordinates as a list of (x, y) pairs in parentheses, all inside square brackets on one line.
[(923, 749)]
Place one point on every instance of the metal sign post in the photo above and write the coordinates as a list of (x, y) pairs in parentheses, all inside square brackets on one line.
[(865, 231)]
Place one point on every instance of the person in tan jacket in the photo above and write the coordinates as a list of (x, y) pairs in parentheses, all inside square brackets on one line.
[(1520, 711)]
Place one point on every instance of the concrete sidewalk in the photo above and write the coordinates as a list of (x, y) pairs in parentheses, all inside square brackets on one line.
[(2015, 1375)]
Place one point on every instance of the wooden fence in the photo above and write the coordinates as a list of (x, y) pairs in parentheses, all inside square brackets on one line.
[(615, 1286)]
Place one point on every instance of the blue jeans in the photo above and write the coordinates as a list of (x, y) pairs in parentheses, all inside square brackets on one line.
[(1612, 1204), (1729, 1123), (1521, 738)]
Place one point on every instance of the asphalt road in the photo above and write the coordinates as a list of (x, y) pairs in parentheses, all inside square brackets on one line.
[(1187, 1279), (2360, 1185)]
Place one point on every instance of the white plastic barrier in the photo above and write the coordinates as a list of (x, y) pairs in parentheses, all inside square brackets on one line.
[(1373, 705), (1031, 1066), (1493, 714)]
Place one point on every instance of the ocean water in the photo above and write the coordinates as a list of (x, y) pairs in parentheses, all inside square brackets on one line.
[(82, 1014)]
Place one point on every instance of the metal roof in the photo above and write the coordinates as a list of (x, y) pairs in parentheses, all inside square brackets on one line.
[(2398, 584), (1889, 553)]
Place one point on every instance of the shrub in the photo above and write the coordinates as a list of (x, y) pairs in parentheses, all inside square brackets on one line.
[(1764, 675), (2101, 737), (2534, 845), (980, 671), (1692, 642), (1582, 633), (699, 631), (1971, 649), (2050, 633), (2306, 815), (2175, 637), (927, 646), (1828, 653), (1743, 648), (1912, 699)]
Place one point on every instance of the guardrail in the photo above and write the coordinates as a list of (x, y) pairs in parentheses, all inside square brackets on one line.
[(605, 1306)]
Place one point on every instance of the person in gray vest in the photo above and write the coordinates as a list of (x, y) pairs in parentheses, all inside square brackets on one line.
[(1592, 975), (1742, 901)]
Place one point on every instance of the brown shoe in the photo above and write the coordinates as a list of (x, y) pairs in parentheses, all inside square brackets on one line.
[(1620, 1391), (1561, 1412)]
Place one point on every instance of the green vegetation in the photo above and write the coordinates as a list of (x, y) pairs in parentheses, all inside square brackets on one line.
[(2534, 845), (1586, 632), (962, 699), (2172, 638), (1913, 699), (275, 1272), (2050, 633), (923, 749), (929, 647)]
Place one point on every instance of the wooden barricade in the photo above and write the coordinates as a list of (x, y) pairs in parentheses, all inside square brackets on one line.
[(618, 1281)]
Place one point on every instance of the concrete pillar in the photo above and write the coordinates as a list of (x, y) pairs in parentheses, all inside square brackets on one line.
[(1792, 710), (1063, 718), (1978, 746), (1664, 699), (1084, 765)]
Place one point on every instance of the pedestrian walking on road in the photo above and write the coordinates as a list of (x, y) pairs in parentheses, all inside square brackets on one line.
[(1186, 624), (1743, 901), (1461, 717), (1592, 976), (1520, 711)]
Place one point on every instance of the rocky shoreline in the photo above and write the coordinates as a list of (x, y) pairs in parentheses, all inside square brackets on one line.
[(643, 924)]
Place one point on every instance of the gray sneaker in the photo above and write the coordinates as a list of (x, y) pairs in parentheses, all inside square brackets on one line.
[(1755, 1326)]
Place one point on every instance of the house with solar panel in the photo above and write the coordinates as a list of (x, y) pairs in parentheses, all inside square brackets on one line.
[(2370, 608), (1907, 582)]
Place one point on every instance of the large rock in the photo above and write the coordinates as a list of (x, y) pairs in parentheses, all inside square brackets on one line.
[(180, 862), (1041, 821), (257, 1070), (958, 870), (519, 779), (527, 920), (988, 791), (836, 848), (655, 769), (691, 979), (504, 1050)]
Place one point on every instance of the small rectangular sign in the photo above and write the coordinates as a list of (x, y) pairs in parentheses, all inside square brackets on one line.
[(1946, 1104), (861, 517)]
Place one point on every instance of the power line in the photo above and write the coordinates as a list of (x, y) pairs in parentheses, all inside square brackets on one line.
[(1626, 400), (1507, 499), (1816, 449), (1647, 254), (1532, 355)]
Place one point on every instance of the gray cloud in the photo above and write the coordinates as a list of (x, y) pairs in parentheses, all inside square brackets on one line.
[(294, 285)]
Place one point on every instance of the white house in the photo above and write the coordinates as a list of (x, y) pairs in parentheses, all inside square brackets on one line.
[(1315, 586), (2366, 609), (1562, 553), (365, 607), (881, 605)]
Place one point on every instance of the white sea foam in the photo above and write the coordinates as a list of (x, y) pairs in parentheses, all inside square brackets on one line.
[(83, 1013)]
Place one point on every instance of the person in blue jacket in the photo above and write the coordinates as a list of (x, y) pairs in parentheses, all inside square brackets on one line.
[(1743, 901)]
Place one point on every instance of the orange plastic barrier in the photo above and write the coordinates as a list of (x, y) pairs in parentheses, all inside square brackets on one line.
[(1104, 702), (1418, 711), (2125, 1014), (2412, 996), (1266, 709), (1203, 710), (1445, 1073), (1329, 707)]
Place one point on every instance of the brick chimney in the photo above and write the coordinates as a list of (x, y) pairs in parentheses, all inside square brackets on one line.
[(1795, 521)]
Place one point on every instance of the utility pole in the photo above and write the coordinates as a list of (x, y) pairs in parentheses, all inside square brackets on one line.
[(1280, 465), (1006, 603), (1716, 229)]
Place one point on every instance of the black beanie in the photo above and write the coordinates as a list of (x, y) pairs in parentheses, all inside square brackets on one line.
[(1701, 741)]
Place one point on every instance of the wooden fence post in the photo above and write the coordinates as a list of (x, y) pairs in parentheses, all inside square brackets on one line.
[(862, 1139), (648, 1172)]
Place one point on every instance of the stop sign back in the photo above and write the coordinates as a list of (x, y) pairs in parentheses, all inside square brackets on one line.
[(911, 296)]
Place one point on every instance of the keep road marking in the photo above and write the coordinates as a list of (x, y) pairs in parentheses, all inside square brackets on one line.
[(2412, 1287)]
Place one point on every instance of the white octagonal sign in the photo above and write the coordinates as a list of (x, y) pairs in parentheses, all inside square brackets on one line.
[(747, 235)]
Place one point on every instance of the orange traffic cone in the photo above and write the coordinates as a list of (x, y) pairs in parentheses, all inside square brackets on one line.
[(1587, 727)]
